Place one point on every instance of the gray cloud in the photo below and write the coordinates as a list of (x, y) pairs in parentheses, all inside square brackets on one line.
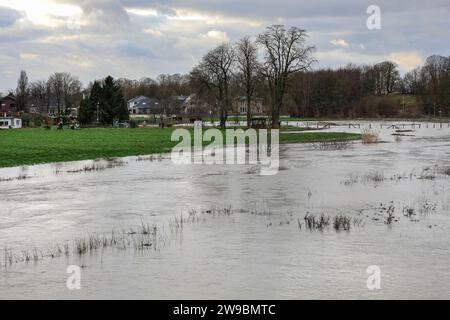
[(114, 40), (8, 17)]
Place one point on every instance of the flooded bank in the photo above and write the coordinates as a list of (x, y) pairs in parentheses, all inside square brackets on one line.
[(398, 190)]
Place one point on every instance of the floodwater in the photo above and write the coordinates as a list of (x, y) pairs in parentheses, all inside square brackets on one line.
[(259, 251)]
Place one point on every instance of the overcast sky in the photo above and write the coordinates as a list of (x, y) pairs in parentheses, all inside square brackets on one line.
[(137, 38)]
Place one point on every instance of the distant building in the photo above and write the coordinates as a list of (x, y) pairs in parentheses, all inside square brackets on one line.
[(10, 123), (174, 104), (240, 106), (52, 107), (8, 104), (142, 105)]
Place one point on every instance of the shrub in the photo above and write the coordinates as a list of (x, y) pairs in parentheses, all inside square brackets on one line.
[(133, 124), (369, 137)]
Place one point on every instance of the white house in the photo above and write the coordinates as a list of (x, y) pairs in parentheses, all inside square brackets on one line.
[(142, 105), (10, 123), (240, 106)]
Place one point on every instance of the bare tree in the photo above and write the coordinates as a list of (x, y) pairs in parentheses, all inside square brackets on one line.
[(436, 73), (411, 81), (22, 91), (215, 71), (70, 86), (56, 84), (285, 53), (40, 95), (247, 58)]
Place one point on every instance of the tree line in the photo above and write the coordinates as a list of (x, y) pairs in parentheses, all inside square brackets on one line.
[(102, 101), (276, 66), (62, 90), (284, 53), (372, 91)]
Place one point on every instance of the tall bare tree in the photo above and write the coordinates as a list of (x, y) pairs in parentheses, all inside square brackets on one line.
[(40, 95), (285, 53), (436, 76), (22, 91), (71, 86), (386, 76), (215, 72), (56, 84), (247, 58)]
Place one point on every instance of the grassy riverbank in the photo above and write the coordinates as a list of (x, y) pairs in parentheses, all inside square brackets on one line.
[(34, 146)]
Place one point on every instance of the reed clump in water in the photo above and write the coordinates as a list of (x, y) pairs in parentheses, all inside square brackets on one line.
[(150, 158), (434, 172), (341, 222), (18, 178), (322, 221), (375, 176), (313, 222), (201, 215), (261, 211), (99, 166), (332, 145), (370, 177), (369, 137), (447, 171)]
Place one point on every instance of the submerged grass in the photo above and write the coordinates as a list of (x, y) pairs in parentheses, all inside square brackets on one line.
[(429, 173), (143, 237), (322, 221), (332, 145), (98, 166), (20, 177)]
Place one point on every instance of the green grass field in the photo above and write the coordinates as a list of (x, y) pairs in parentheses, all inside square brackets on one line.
[(310, 137), (34, 146)]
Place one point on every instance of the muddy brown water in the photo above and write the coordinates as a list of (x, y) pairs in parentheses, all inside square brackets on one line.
[(243, 255)]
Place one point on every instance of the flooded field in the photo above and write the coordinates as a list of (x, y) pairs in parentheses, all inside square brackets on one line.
[(162, 231)]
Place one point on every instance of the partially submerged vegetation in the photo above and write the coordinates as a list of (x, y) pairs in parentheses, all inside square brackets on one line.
[(143, 237), (377, 177), (369, 137), (20, 177), (147, 237), (109, 164), (338, 222), (34, 146), (333, 145)]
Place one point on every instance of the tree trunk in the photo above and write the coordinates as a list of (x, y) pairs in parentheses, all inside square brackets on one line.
[(276, 117), (249, 112), (222, 115)]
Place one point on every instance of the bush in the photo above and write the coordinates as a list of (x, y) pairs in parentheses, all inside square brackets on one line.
[(133, 124), (32, 120), (369, 137)]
